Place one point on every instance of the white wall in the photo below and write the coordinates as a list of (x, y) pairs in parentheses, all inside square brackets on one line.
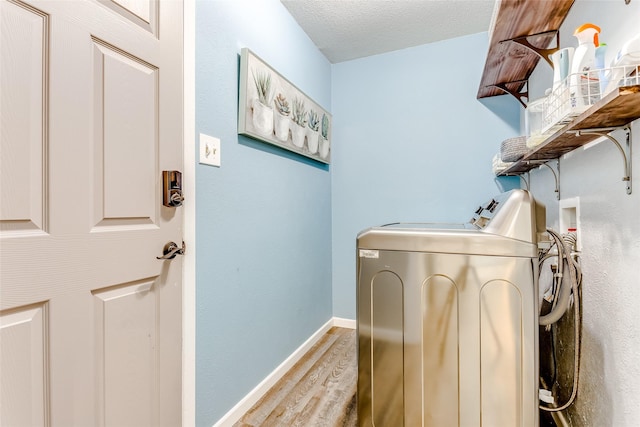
[(610, 229)]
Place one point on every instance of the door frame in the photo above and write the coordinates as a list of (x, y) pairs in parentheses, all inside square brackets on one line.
[(189, 217)]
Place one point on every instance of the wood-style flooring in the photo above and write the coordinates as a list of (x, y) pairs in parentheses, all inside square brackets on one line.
[(320, 390)]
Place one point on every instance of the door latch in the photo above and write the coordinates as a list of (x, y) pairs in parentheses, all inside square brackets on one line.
[(172, 189), (171, 249)]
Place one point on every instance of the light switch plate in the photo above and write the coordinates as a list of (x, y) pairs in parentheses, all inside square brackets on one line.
[(209, 150)]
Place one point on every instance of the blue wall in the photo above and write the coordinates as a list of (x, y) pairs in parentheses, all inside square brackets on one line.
[(276, 231), (263, 219), (412, 143)]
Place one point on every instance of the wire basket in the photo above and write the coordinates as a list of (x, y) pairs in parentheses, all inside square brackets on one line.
[(572, 97)]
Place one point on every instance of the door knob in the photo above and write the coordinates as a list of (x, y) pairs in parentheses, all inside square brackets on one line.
[(171, 249)]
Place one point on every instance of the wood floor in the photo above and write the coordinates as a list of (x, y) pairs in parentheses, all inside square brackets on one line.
[(320, 390)]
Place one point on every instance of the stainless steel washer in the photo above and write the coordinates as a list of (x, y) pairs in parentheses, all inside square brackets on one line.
[(448, 319)]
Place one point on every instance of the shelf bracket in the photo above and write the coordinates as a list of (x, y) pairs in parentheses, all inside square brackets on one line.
[(625, 151), (525, 180), (542, 53), (518, 95), (555, 176)]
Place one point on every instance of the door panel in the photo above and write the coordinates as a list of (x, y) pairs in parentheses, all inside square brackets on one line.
[(23, 363), (89, 316), (141, 9), (125, 120), (143, 13), (23, 103), (126, 333)]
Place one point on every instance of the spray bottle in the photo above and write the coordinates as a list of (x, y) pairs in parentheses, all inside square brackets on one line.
[(584, 85)]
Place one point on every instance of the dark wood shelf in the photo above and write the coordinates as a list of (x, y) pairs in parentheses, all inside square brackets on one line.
[(509, 63), (617, 109)]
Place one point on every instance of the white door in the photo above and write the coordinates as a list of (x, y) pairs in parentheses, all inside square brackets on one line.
[(90, 115)]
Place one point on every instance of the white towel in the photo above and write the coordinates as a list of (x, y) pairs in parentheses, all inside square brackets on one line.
[(498, 165)]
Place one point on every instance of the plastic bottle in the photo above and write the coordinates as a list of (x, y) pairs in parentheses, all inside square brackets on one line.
[(583, 83), (628, 55), (561, 63), (599, 64)]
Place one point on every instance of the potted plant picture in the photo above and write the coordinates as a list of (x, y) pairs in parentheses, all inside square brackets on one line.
[(273, 110), (281, 120), (262, 111), (299, 117), (324, 142), (313, 134)]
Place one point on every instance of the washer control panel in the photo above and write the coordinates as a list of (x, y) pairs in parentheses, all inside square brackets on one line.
[(485, 213)]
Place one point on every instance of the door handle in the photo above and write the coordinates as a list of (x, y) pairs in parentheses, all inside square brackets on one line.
[(171, 249), (176, 198)]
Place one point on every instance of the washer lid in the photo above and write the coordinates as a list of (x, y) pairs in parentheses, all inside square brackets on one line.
[(413, 238), (504, 226), (429, 225)]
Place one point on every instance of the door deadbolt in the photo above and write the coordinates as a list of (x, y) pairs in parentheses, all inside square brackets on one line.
[(172, 189)]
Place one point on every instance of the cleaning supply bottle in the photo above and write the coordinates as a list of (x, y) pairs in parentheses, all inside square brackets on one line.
[(561, 60), (628, 55), (599, 64), (585, 84)]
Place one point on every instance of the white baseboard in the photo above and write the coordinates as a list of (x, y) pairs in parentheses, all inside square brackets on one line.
[(254, 395), (241, 408), (344, 323)]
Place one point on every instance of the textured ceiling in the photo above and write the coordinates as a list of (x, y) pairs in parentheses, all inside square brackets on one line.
[(350, 29)]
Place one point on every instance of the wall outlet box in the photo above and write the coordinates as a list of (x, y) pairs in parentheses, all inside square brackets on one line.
[(209, 150), (570, 219)]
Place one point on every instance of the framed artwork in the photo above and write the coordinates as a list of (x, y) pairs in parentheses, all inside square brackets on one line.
[(273, 110)]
